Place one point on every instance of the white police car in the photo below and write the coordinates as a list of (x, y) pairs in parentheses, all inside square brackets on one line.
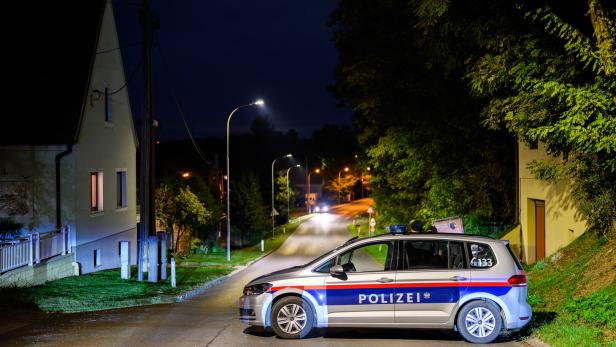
[(436, 281)]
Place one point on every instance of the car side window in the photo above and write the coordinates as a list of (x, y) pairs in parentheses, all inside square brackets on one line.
[(425, 254), (482, 256), (324, 268), (372, 257), (457, 259)]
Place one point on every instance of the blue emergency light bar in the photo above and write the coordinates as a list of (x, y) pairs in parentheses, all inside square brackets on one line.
[(397, 229)]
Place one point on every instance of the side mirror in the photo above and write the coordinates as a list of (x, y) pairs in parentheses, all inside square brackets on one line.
[(336, 270)]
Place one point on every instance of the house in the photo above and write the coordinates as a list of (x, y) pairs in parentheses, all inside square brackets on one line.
[(68, 145), (548, 218)]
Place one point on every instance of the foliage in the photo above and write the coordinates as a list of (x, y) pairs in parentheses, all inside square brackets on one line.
[(283, 194), (544, 76), (343, 184), (421, 131), (181, 208), (249, 213)]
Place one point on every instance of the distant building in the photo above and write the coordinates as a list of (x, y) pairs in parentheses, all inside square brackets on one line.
[(548, 218), (68, 149)]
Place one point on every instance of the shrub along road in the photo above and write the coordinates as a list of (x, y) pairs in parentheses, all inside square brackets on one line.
[(210, 319)]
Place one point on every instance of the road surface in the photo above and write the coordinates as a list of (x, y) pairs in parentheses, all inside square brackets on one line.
[(210, 319)]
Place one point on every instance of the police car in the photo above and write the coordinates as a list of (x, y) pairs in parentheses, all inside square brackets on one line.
[(472, 284)]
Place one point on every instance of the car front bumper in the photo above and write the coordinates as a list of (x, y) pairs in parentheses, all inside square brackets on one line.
[(253, 309)]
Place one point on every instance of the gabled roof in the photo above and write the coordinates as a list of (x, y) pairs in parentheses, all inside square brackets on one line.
[(52, 45)]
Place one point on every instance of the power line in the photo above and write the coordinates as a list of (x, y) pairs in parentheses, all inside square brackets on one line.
[(130, 77), (179, 107), (119, 47)]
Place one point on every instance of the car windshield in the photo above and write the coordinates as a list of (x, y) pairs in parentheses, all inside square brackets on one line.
[(326, 254)]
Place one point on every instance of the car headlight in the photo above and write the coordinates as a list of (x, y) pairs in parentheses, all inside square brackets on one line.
[(257, 289), (318, 209), (325, 208)]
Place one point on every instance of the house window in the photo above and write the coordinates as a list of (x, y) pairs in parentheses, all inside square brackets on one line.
[(121, 189), (97, 257), (108, 107), (96, 191), (534, 144)]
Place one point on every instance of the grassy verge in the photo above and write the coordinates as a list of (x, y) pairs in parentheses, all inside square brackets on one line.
[(360, 229), (573, 305), (105, 290)]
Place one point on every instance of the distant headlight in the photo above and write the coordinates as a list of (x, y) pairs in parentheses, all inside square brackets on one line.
[(325, 209), (257, 289), (317, 209)]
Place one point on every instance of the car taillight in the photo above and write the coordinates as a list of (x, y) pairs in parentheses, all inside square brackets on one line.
[(517, 280)]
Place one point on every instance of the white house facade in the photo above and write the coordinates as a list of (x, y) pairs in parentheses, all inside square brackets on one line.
[(79, 168)]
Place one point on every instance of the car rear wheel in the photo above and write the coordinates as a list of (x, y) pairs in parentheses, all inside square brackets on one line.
[(292, 318), (479, 322)]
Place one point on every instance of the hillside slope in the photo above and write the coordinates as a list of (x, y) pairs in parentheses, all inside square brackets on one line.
[(573, 294)]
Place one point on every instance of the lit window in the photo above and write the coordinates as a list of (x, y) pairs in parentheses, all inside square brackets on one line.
[(108, 107), (96, 191), (121, 189)]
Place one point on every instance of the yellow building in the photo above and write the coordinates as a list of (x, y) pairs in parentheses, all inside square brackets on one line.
[(548, 218)]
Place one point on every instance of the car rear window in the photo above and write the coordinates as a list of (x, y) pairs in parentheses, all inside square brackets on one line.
[(482, 256), (515, 258)]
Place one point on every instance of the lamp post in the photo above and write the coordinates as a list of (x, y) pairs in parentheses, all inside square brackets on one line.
[(317, 171), (256, 103), (273, 209), (288, 205), (346, 169)]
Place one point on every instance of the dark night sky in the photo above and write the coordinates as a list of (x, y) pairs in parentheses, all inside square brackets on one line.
[(220, 54)]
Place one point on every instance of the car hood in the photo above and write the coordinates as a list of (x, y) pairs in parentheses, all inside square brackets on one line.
[(277, 275)]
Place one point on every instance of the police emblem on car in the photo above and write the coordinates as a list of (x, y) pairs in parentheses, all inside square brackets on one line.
[(472, 284)]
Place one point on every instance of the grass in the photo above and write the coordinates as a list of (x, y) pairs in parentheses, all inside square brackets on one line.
[(360, 229), (105, 290), (563, 316)]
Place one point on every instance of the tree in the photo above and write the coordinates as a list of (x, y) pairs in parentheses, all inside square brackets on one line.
[(248, 210), (344, 185), (420, 130), (181, 208), (283, 195)]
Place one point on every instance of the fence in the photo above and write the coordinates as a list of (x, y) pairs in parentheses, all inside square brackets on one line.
[(34, 248)]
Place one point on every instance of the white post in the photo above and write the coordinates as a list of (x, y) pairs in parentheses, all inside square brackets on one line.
[(284, 230), (63, 235), (172, 272), (68, 239), (30, 240), (262, 246), (124, 260), (37, 248)]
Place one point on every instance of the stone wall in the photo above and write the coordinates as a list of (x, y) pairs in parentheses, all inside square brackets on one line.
[(48, 270)]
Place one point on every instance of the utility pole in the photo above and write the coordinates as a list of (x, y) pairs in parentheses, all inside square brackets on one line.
[(147, 223)]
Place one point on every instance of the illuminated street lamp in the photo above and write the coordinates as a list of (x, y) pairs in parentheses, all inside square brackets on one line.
[(317, 171), (288, 205), (185, 174), (256, 103), (273, 209), (346, 169)]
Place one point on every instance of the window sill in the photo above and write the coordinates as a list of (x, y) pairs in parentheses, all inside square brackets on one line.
[(122, 209), (108, 124), (97, 213)]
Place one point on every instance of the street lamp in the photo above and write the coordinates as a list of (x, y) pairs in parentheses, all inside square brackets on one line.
[(346, 169), (288, 205), (317, 171), (256, 103), (273, 209)]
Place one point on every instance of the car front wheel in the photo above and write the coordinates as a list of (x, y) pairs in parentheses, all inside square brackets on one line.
[(292, 318), (479, 322)]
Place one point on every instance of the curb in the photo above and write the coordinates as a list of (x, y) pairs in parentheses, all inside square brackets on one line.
[(199, 290)]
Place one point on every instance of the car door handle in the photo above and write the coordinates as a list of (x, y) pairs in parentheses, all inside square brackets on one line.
[(384, 280), (457, 278)]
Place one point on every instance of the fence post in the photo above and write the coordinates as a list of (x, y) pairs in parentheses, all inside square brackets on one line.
[(37, 248), (30, 241), (172, 272), (68, 238), (63, 235)]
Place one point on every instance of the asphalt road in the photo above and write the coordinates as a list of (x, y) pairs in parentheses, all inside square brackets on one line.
[(210, 319)]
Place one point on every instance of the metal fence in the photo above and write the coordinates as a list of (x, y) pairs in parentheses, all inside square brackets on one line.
[(30, 250)]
